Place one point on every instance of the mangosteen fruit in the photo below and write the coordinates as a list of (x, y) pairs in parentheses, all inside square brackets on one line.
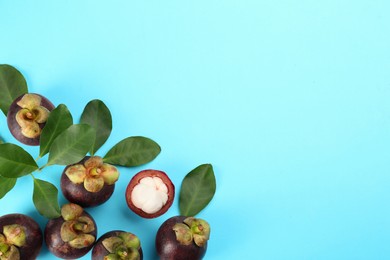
[(89, 182), (73, 234), (182, 238), (117, 245), (150, 193), (20, 237), (27, 116)]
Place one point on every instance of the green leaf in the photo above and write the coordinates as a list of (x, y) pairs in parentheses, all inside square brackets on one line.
[(71, 145), (45, 198), (197, 190), (6, 184), (15, 161), (97, 115), (59, 120), (133, 151), (12, 85)]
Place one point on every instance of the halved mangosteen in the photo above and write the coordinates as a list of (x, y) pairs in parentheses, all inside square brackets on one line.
[(89, 182), (20, 237), (182, 238), (73, 234), (117, 244), (150, 193), (27, 116)]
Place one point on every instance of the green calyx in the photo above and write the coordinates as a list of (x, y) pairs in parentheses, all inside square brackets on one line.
[(13, 236), (76, 227), (192, 230), (31, 115), (124, 246), (93, 174)]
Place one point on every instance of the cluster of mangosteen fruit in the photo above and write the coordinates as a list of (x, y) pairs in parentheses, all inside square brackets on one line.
[(89, 183)]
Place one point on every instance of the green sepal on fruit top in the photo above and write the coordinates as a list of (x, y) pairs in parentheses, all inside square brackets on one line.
[(197, 190), (12, 85)]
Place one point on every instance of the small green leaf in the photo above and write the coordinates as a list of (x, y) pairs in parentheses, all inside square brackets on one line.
[(12, 85), (71, 145), (45, 198), (133, 151), (59, 120), (6, 184), (97, 115), (15, 161), (197, 190)]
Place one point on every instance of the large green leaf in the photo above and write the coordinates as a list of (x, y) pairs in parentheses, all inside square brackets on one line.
[(12, 85), (97, 115), (6, 184), (45, 198), (71, 145), (15, 161), (197, 190), (133, 151), (59, 120)]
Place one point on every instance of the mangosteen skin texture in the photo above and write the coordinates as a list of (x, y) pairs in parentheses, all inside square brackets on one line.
[(135, 181), (14, 126), (34, 237), (77, 194), (168, 248), (60, 248), (99, 251)]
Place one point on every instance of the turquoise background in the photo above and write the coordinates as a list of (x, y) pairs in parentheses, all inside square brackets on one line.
[(289, 101)]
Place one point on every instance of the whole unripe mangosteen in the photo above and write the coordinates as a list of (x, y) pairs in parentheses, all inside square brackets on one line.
[(73, 234), (89, 182), (182, 238), (27, 116), (117, 244), (20, 237), (150, 193)]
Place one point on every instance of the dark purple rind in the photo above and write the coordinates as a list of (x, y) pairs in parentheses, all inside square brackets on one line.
[(34, 237), (76, 193), (60, 248), (13, 125), (99, 251), (150, 173), (168, 248)]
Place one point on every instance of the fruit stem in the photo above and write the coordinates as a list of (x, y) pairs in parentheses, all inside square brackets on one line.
[(42, 167), (80, 226), (122, 253)]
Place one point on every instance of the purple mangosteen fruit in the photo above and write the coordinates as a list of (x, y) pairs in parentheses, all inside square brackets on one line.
[(117, 245), (27, 116), (150, 193), (182, 238), (20, 237), (89, 182), (73, 234)]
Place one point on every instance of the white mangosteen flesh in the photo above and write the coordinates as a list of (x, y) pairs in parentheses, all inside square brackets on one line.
[(150, 194)]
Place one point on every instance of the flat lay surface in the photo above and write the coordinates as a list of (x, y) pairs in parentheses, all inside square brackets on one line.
[(288, 100)]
